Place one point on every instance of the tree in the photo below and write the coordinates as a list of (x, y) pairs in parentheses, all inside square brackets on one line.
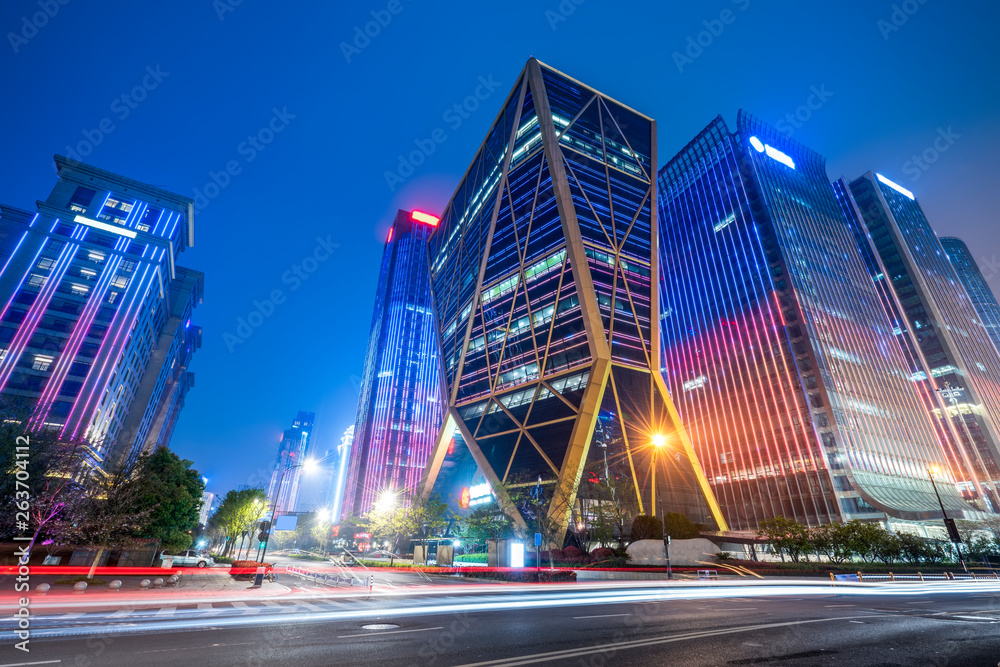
[(680, 527), (238, 514), (614, 503), (172, 491), (489, 522), (787, 536), (44, 477), (536, 503), (410, 516), (110, 515)]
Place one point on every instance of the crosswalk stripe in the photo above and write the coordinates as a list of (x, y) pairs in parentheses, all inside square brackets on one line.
[(247, 608), (269, 603), (166, 611), (311, 607), (121, 612)]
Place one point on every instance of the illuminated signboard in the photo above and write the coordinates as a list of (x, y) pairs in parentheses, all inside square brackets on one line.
[(480, 494), (362, 536), (463, 499)]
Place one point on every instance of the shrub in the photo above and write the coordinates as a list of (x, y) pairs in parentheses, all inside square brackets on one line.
[(601, 553), (646, 528), (572, 553), (472, 558), (246, 569)]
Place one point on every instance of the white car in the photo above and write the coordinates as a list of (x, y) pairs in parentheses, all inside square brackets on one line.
[(190, 558)]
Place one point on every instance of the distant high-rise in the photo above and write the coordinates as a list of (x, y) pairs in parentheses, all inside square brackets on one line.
[(983, 299), (399, 410), (292, 452), (955, 345), (96, 335), (342, 459), (542, 276), (776, 347)]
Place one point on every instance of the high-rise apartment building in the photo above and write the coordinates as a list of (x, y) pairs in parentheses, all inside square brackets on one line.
[(975, 283), (951, 336), (541, 270), (776, 347), (399, 410), (96, 335), (293, 451)]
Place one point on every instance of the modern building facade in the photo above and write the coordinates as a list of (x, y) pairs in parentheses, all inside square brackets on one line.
[(978, 288), (207, 498), (776, 347), (293, 450), (338, 481), (399, 411), (96, 336), (541, 271), (955, 346)]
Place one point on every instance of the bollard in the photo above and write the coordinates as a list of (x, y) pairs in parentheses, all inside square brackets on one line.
[(42, 588), (115, 585), (158, 582), (80, 586), (144, 584), (861, 577), (891, 578), (921, 575)]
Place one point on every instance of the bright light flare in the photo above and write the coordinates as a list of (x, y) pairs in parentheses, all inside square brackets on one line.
[(659, 440)]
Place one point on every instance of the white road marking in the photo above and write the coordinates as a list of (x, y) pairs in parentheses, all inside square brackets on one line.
[(602, 616), (69, 616), (831, 606), (640, 643), (311, 607), (247, 608), (23, 664), (166, 611), (859, 622), (390, 632), (121, 612)]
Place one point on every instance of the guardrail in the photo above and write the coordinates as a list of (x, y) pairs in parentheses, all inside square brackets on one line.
[(919, 576), (327, 578)]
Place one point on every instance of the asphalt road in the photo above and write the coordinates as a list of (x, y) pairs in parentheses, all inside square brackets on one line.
[(868, 629)]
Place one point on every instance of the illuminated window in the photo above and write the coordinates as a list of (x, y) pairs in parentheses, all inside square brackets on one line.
[(36, 280), (94, 256), (42, 362)]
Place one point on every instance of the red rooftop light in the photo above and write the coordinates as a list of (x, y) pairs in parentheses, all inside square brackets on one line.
[(389, 238), (426, 218)]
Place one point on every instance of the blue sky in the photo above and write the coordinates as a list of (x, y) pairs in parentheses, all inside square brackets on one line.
[(309, 118)]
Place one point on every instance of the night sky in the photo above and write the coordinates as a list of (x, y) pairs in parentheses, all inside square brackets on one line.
[(211, 75)]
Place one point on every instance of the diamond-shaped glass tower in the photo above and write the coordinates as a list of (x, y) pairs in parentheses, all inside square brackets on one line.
[(541, 273)]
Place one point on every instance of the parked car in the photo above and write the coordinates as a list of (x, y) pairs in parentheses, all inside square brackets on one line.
[(190, 558)]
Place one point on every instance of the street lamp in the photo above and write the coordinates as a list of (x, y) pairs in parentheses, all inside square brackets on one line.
[(659, 443), (949, 524), (307, 465)]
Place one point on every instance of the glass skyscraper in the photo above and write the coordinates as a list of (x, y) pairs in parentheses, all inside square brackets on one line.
[(541, 270), (288, 468), (399, 410), (983, 299), (952, 339), (96, 335), (776, 348)]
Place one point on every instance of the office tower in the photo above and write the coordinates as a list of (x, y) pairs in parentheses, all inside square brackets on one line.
[(399, 410), (776, 347), (342, 458), (293, 451), (976, 285), (95, 333), (953, 341), (541, 273), (207, 498)]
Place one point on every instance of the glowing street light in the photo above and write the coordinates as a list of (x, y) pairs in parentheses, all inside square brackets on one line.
[(386, 501)]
